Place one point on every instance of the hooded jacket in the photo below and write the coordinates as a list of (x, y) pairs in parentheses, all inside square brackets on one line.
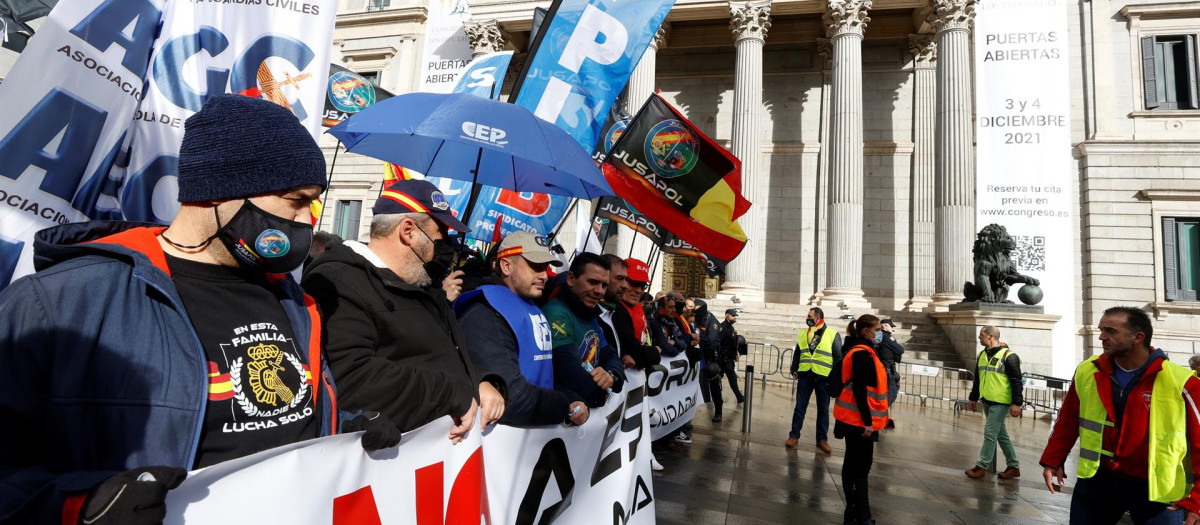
[(101, 370), (395, 348)]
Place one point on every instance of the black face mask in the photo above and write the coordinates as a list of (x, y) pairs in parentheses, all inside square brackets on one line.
[(437, 267), (811, 323), (262, 241), (679, 306)]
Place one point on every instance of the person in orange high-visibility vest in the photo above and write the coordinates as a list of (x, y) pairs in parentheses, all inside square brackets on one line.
[(861, 412)]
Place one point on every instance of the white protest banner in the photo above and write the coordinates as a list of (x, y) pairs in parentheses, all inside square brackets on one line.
[(595, 473), (275, 49), (673, 389), (1024, 178), (447, 49), (68, 102), (425, 481)]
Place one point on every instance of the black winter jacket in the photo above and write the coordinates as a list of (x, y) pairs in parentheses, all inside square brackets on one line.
[(393, 347)]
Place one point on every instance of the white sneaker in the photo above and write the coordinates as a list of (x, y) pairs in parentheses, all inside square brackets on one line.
[(682, 437), (655, 465)]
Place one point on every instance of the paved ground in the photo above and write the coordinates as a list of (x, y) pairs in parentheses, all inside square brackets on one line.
[(725, 478)]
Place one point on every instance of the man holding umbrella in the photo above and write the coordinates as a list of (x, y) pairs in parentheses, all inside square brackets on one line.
[(393, 341)]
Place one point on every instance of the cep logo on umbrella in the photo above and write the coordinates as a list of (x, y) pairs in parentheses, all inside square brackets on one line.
[(489, 134)]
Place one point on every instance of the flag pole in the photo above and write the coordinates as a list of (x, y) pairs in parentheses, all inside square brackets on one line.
[(632, 244), (328, 183)]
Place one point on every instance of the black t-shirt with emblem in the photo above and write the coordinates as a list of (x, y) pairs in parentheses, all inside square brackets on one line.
[(259, 391)]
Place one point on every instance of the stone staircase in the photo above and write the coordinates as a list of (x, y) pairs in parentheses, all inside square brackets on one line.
[(777, 324)]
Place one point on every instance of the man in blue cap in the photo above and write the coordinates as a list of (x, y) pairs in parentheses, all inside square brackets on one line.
[(140, 352), (393, 341)]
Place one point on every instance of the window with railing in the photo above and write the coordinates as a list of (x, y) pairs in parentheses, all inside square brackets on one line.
[(378, 5)]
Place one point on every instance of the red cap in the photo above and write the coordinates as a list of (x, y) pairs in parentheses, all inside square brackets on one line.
[(638, 270)]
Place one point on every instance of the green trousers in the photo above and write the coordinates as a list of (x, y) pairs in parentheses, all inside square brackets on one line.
[(995, 431)]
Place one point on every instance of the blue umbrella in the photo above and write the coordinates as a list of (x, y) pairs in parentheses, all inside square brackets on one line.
[(465, 137)]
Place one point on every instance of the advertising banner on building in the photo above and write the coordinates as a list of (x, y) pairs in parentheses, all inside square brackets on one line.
[(275, 50), (447, 49), (1024, 165), (598, 472), (68, 103)]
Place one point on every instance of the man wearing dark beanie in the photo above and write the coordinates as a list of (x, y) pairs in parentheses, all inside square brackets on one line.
[(139, 352)]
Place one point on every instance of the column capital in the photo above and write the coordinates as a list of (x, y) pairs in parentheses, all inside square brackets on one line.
[(846, 17), (924, 49), (750, 20), (484, 36), (948, 15), (661, 36)]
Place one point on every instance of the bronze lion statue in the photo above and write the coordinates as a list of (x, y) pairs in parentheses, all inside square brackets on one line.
[(994, 269)]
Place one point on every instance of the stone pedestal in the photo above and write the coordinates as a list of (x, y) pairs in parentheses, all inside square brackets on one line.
[(1025, 329)]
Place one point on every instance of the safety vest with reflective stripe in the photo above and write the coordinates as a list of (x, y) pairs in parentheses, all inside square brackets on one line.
[(993, 378), (845, 409), (1170, 478), (816, 357)]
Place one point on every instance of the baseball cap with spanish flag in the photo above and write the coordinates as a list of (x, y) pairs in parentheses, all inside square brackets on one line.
[(534, 248), (418, 196)]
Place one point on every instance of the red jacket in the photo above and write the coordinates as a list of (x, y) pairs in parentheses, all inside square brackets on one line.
[(1128, 438)]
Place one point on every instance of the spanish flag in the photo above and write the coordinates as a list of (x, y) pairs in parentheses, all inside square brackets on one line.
[(680, 178), (393, 173)]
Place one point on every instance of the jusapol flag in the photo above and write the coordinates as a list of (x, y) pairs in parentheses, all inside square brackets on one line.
[(680, 179)]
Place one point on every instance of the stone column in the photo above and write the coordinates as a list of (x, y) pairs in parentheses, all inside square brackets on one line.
[(749, 22), (924, 52), (954, 196), (845, 21), (641, 85), (825, 52), (484, 36), (1104, 99)]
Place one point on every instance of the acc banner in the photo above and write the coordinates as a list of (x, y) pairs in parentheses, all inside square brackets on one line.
[(680, 179), (673, 389), (277, 50), (1024, 178), (424, 481), (348, 93), (585, 54), (68, 102)]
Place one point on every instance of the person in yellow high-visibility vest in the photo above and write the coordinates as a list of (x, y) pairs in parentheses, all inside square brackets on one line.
[(998, 385), (817, 349), (1138, 424)]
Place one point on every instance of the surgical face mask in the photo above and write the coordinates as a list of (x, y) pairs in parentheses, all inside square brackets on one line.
[(263, 241), (438, 267), (811, 323), (878, 337)]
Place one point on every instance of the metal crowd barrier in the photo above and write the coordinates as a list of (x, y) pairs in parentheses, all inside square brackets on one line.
[(935, 383), (1044, 393)]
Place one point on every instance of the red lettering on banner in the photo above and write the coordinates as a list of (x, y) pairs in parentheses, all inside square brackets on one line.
[(468, 504), (356, 508), (532, 204)]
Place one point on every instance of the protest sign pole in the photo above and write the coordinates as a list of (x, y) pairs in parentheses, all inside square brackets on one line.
[(328, 182)]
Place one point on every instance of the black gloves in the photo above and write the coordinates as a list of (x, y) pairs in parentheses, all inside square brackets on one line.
[(134, 497), (380, 432)]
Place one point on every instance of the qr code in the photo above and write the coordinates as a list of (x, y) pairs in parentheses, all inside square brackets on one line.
[(1030, 254)]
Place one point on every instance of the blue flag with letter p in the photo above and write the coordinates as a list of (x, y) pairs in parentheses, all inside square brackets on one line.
[(587, 54)]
